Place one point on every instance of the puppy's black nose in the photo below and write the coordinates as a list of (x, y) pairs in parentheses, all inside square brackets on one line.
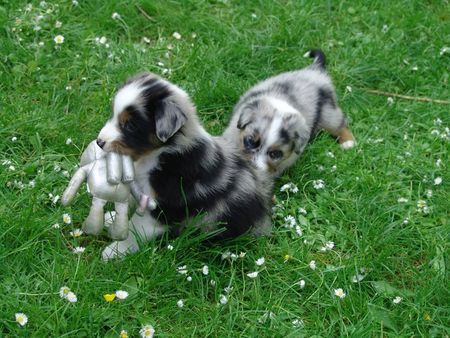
[(100, 143)]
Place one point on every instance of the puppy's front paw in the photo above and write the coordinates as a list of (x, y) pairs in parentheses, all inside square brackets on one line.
[(348, 144), (118, 249)]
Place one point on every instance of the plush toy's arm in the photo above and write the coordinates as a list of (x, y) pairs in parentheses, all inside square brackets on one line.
[(113, 168), (119, 168), (128, 169), (78, 178)]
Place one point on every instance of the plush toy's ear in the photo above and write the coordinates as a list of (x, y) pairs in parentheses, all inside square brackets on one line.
[(168, 120)]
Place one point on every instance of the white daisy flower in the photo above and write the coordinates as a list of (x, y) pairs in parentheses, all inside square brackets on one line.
[(115, 16), (357, 278), (69, 141), (223, 299), (297, 323), (182, 270), (318, 184), (226, 255), (56, 226), (12, 168), (242, 254), (298, 230), (438, 162), (429, 193), (123, 334), (406, 221), (339, 293), (302, 284), (67, 219), (349, 89), (437, 180), (254, 16), (289, 187), (390, 101), (205, 270), (76, 233), (64, 291), (170, 247), (102, 40), (147, 331), (59, 39), (176, 35), (260, 261), (146, 39), (75, 2), (120, 294), (397, 300), (437, 121), (189, 278), (402, 200), (267, 315), (180, 303), (302, 211), (435, 132), (21, 318), (228, 289), (72, 297), (312, 265), (329, 245), (253, 274), (444, 50), (14, 139), (58, 24), (329, 154), (78, 250), (194, 35), (290, 221), (422, 207)]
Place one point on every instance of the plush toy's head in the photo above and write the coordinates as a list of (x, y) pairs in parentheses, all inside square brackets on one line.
[(91, 153), (148, 113)]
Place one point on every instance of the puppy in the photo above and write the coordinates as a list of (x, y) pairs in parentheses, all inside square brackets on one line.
[(188, 171), (274, 120)]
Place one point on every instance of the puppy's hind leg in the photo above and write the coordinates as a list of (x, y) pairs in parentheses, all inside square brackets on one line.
[(336, 124)]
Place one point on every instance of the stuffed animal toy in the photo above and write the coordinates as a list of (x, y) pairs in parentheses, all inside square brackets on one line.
[(110, 178)]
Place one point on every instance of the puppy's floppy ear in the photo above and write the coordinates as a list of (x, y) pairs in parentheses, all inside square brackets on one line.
[(245, 117), (168, 120)]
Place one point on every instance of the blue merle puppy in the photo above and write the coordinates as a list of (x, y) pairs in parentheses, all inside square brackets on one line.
[(188, 171), (274, 120)]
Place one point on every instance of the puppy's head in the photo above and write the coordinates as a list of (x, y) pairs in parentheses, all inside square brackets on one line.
[(148, 112), (271, 132)]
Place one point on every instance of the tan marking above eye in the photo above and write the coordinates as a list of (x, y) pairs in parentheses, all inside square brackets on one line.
[(124, 117)]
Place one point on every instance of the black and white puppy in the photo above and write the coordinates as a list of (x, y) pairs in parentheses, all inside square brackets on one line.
[(274, 120), (188, 171)]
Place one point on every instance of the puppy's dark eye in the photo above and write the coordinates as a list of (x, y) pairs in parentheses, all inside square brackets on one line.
[(128, 126), (275, 154), (250, 142)]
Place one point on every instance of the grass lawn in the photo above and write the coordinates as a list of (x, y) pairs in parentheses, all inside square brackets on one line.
[(384, 205)]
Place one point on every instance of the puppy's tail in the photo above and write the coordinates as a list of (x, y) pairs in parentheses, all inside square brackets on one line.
[(319, 58)]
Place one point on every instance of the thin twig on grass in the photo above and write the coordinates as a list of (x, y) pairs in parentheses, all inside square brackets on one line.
[(144, 13), (407, 97)]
